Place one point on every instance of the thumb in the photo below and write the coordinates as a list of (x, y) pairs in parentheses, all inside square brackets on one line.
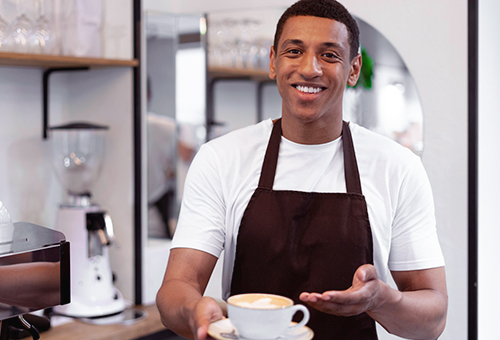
[(366, 273), (201, 332), (207, 311)]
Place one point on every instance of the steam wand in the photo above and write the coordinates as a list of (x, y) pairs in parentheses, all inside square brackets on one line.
[(20, 323), (30, 328)]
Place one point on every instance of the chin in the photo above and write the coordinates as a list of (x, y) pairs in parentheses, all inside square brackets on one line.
[(308, 117)]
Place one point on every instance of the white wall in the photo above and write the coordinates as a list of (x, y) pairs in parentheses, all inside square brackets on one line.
[(433, 45), (28, 187), (431, 37), (489, 166)]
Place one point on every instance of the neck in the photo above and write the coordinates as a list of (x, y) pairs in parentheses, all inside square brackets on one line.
[(316, 132)]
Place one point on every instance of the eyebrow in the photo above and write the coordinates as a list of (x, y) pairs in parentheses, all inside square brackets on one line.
[(332, 45), (300, 42), (292, 42)]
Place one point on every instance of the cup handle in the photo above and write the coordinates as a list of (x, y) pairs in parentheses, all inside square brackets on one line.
[(305, 318)]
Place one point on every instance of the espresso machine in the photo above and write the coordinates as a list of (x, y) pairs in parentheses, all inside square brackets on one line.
[(35, 274), (78, 151)]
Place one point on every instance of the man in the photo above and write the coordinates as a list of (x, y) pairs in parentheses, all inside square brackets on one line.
[(161, 174), (310, 207)]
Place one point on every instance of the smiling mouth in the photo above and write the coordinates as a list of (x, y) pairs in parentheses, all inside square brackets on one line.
[(309, 89)]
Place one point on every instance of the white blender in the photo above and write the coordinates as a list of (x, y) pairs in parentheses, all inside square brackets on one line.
[(77, 153)]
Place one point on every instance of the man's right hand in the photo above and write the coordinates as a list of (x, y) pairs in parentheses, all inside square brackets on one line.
[(183, 309), (206, 311)]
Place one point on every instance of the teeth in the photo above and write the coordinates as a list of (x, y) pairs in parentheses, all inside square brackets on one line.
[(306, 89)]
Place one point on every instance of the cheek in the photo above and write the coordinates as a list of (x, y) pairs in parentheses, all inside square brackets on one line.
[(281, 89)]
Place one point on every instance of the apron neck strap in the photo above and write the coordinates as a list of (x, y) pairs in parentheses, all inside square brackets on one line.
[(271, 159), (351, 172)]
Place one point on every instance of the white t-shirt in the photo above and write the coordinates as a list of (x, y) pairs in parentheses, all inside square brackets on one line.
[(226, 172)]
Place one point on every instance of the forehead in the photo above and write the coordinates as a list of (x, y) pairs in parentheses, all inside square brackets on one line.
[(310, 29)]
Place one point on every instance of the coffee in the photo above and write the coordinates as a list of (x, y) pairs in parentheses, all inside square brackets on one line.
[(261, 301), (264, 316)]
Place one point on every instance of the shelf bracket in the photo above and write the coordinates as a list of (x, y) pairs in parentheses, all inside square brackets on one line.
[(210, 113), (260, 96), (46, 75)]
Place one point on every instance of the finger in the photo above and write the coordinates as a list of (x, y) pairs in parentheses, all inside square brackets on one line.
[(344, 297), (336, 308), (310, 297), (358, 295), (304, 296)]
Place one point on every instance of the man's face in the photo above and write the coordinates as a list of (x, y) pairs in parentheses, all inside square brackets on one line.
[(311, 66)]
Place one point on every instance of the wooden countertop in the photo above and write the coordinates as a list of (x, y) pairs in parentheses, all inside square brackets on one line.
[(76, 330)]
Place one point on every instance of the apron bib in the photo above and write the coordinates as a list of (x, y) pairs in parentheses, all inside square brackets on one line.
[(291, 242)]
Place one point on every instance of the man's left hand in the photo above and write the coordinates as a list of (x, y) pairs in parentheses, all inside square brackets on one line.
[(363, 295)]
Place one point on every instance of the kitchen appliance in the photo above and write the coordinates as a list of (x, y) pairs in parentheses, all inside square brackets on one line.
[(78, 153), (34, 267), (33, 258)]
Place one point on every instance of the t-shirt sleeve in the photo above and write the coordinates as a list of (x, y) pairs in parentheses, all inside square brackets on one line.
[(202, 214), (414, 243)]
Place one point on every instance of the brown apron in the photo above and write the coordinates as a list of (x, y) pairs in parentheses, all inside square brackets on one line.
[(291, 242)]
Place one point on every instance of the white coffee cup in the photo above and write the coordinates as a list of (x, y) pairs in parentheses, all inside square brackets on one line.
[(264, 316)]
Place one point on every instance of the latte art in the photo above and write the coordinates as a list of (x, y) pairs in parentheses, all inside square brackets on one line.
[(260, 301), (263, 303)]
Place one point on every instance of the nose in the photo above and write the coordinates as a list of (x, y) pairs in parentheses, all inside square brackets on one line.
[(310, 66)]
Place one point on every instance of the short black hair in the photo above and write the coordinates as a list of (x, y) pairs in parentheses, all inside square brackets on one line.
[(329, 9)]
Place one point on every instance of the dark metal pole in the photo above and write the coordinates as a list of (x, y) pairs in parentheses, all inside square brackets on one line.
[(209, 91), (473, 169), (137, 154)]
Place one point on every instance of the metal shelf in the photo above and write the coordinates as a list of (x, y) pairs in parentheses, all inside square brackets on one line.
[(57, 63), (228, 73)]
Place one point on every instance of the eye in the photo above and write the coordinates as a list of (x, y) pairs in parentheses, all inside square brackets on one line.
[(330, 55), (293, 51)]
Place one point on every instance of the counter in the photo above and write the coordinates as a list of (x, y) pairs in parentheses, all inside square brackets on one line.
[(77, 330)]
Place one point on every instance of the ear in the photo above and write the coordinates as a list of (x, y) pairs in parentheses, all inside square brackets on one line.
[(272, 66), (355, 70)]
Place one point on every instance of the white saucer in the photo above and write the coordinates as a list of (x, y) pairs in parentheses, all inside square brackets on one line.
[(224, 330)]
